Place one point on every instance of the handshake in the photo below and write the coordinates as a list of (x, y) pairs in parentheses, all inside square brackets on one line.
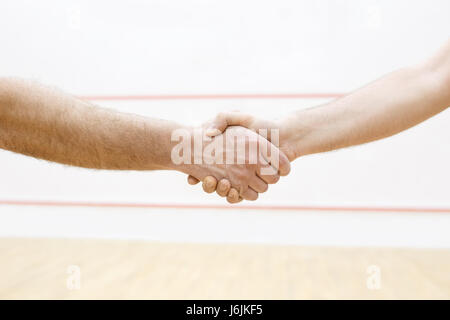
[(236, 155)]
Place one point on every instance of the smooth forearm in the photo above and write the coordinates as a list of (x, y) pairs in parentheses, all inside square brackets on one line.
[(383, 108), (51, 125)]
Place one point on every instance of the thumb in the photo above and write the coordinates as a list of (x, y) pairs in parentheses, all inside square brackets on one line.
[(217, 125), (226, 119)]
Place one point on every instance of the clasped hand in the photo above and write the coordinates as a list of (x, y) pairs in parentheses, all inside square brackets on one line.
[(236, 162)]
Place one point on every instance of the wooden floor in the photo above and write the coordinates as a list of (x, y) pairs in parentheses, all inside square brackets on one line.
[(41, 269)]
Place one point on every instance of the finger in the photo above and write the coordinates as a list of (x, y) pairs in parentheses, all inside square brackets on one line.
[(258, 184), (268, 178), (285, 165), (267, 173), (250, 194), (277, 159), (243, 189), (209, 184), (192, 180), (223, 187), (233, 196), (225, 119)]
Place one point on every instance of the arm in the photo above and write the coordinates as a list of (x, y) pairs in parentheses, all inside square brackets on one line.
[(383, 108), (392, 104), (48, 124)]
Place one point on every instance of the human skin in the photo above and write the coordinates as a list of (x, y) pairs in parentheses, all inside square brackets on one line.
[(49, 124), (387, 106)]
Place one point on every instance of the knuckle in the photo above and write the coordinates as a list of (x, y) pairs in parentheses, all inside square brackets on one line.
[(224, 185), (233, 194), (207, 183)]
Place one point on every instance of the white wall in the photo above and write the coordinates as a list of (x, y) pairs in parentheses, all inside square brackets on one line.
[(201, 47), (208, 47)]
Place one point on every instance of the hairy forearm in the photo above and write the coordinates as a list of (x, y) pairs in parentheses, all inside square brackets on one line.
[(383, 108), (48, 124)]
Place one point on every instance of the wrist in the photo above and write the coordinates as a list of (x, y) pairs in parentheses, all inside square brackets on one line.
[(296, 134), (180, 153), (162, 143)]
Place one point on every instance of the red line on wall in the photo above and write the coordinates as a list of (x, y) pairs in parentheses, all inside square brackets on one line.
[(225, 206), (216, 96)]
